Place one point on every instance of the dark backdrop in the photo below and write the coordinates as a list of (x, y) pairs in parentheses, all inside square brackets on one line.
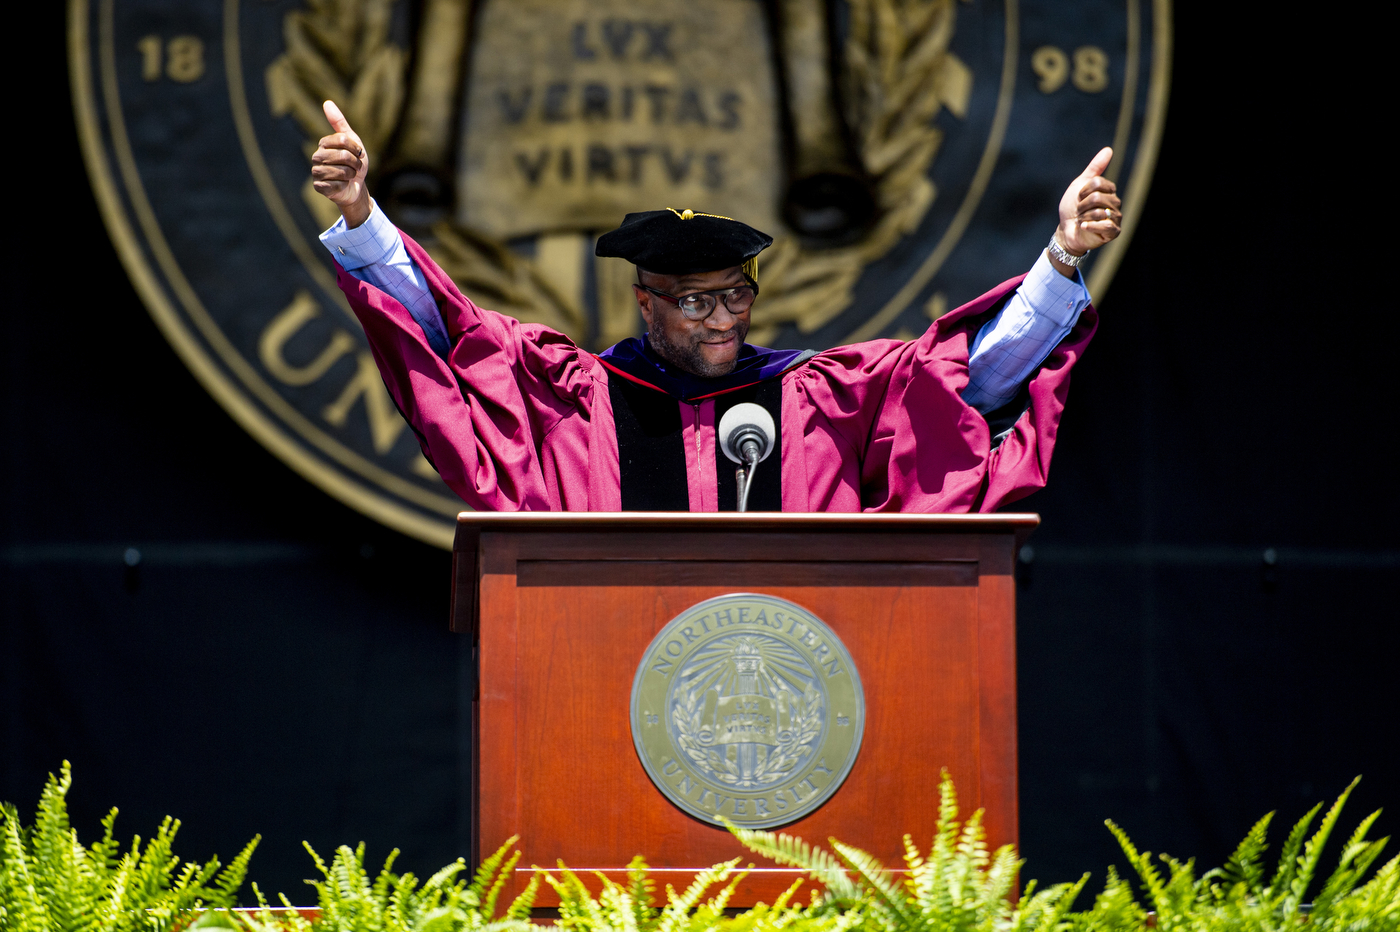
[(278, 664)]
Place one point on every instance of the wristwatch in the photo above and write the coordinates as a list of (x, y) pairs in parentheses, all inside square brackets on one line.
[(1059, 252)]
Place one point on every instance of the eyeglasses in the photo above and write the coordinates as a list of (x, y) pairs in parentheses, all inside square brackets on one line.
[(701, 304)]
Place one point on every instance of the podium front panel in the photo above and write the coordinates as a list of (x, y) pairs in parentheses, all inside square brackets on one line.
[(566, 606)]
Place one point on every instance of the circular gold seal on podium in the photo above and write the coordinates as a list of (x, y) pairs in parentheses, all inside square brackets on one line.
[(748, 708)]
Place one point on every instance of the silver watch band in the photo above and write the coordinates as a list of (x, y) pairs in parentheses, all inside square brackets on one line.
[(1059, 252)]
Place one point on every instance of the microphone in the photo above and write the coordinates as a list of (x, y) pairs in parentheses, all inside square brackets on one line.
[(746, 435)]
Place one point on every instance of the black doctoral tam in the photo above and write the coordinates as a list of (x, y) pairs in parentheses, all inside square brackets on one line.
[(682, 242)]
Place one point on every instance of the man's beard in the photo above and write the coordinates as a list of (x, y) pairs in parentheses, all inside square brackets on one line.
[(688, 356)]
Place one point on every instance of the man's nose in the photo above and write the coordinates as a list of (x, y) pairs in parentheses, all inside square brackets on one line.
[(721, 318)]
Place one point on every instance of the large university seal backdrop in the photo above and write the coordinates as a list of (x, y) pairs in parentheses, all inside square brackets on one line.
[(749, 708), (906, 154)]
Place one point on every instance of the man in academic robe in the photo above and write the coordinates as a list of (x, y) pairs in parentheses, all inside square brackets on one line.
[(515, 417)]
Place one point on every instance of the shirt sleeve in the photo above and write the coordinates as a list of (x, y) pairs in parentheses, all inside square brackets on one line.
[(374, 252), (1012, 344)]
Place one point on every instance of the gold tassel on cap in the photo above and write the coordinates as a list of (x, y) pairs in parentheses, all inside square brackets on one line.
[(750, 266), (669, 242), (689, 214)]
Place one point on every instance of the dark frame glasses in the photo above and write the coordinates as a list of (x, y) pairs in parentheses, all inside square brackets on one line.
[(701, 304)]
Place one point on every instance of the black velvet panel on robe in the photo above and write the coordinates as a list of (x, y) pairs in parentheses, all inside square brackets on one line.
[(766, 493), (651, 449)]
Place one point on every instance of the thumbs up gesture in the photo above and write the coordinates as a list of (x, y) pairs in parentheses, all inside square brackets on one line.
[(1090, 211), (339, 167)]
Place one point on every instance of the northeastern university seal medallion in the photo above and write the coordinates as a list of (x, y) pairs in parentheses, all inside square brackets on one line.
[(749, 708)]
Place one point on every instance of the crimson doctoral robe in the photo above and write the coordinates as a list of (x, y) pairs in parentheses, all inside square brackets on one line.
[(518, 418)]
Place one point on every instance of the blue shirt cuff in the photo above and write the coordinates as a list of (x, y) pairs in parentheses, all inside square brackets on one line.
[(1052, 295), (370, 243)]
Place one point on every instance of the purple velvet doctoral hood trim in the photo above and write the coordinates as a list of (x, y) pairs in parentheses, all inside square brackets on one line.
[(635, 360)]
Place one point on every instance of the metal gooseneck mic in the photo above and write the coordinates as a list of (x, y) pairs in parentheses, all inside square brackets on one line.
[(746, 435)]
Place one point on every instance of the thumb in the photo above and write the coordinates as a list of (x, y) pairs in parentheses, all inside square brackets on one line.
[(1097, 165), (337, 119)]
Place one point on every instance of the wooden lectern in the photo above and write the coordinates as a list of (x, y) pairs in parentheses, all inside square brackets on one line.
[(562, 608)]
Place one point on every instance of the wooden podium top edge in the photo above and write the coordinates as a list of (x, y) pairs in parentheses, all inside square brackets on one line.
[(1005, 523)]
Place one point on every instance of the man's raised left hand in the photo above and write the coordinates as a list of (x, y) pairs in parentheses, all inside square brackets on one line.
[(1090, 211)]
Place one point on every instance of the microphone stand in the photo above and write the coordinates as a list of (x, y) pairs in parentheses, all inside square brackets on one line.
[(743, 476)]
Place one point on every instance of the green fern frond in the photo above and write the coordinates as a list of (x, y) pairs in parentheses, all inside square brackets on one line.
[(913, 859), (920, 878), (52, 866), (24, 908), (104, 852), (1047, 909), (703, 881), (1288, 857), (395, 903), (1312, 851), (316, 859), (616, 904), (443, 876), (1358, 853), (503, 876), (1246, 865), (871, 874), (1002, 874), (232, 877), (963, 870), (786, 896), (720, 901), (379, 889), (1114, 910), (486, 871), (972, 842), (675, 913), (1179, 893), (1366, 856), (49, 882), (947, 825), (1142, 863), (1355, 862), (436, 905), (1377, 903), (794, 852), (640, 888), (519, 910), (291, 919), (1358, 837), (216, 919), (577, 907)]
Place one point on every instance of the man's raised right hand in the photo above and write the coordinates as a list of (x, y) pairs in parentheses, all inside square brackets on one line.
[(339, 167)]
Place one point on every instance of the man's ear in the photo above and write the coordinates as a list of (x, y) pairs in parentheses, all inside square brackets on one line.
[(644, 303)]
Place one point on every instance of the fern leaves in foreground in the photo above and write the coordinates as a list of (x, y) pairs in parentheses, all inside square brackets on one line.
[(1239, 896), (50, 882), (632, 908), (348, 900), (700, 908), (959, 887)]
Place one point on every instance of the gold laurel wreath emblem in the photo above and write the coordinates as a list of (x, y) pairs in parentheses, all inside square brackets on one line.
[(794, 745), (899, 72)]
